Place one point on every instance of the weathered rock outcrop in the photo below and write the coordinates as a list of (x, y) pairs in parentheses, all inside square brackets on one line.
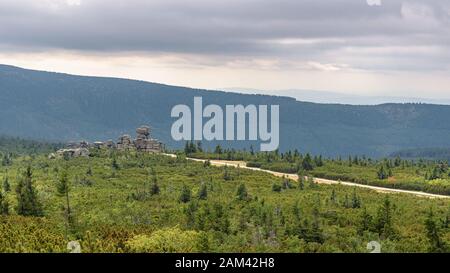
[(143, 143), (71, 153), (125, 143)]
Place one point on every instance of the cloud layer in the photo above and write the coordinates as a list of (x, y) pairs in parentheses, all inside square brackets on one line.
[(351, 35)]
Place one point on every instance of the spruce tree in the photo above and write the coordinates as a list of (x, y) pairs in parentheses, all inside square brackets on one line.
[(63, 189), (7, 159), (333, 197), (296, 211), (154, 188), (437, 245), (6, 185), (203, 242), (318, 161), (316, 234), (185, 195), (207, 163), (311, 182), (4, 205), (114, 164), (187, 150), (365, 222), (356, 202), (199, 146), (218, 150), (383, 222), (301, 183), (301, 180), (203, 192), (192, 148), (226, 174), (242, 193), (382, 172), (89, 171), (27, 201), (307, 164)]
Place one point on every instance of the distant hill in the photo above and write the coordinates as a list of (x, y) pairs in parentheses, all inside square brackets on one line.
[(61, 107), (424, 153), (320, 96)]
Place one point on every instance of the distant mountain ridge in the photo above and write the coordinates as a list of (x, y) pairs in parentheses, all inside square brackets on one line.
[(327, 97), (62, 107)]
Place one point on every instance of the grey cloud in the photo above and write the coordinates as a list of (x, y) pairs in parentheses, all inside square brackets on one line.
[(233, 28)]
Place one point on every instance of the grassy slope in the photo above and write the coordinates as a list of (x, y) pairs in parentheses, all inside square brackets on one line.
[(109, 220)]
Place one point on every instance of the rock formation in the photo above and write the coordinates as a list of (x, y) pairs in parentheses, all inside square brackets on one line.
[(70, 153), (125, 143), (142, 143)]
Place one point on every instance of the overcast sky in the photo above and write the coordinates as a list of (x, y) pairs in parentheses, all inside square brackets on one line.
[(363, 47)]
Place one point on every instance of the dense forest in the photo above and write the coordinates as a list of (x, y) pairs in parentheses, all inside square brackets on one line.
[(21, 146), (132, 202), (417, 174), (424, 153), (12, 147)]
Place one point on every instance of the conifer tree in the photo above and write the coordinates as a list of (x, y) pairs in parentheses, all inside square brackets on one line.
[(242, 193), (187, 150), (226, 174), (185, 195), (333, 197), (7, 159), (382, 173), (63, 189), (218, 150), (192, 148), (199, 146), (154, 188), (4, 205), (114, 164), (311, 183), (437, 245), (383, 221), (316, 234), (203, 192), (365, 222), (203, 242), (89, 171), (307, 164), (301, 180), (6, 185), (296, 211), (27, 201), (356, 202)]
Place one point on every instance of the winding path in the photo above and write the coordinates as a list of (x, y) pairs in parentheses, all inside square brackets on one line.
[(243, 165)]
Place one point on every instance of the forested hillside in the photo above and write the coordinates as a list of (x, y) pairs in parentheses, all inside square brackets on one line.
[(61, 107), (26, 146)]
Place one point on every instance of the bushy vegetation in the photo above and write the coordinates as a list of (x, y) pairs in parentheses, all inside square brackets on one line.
[(133, 202), (431, 176)]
